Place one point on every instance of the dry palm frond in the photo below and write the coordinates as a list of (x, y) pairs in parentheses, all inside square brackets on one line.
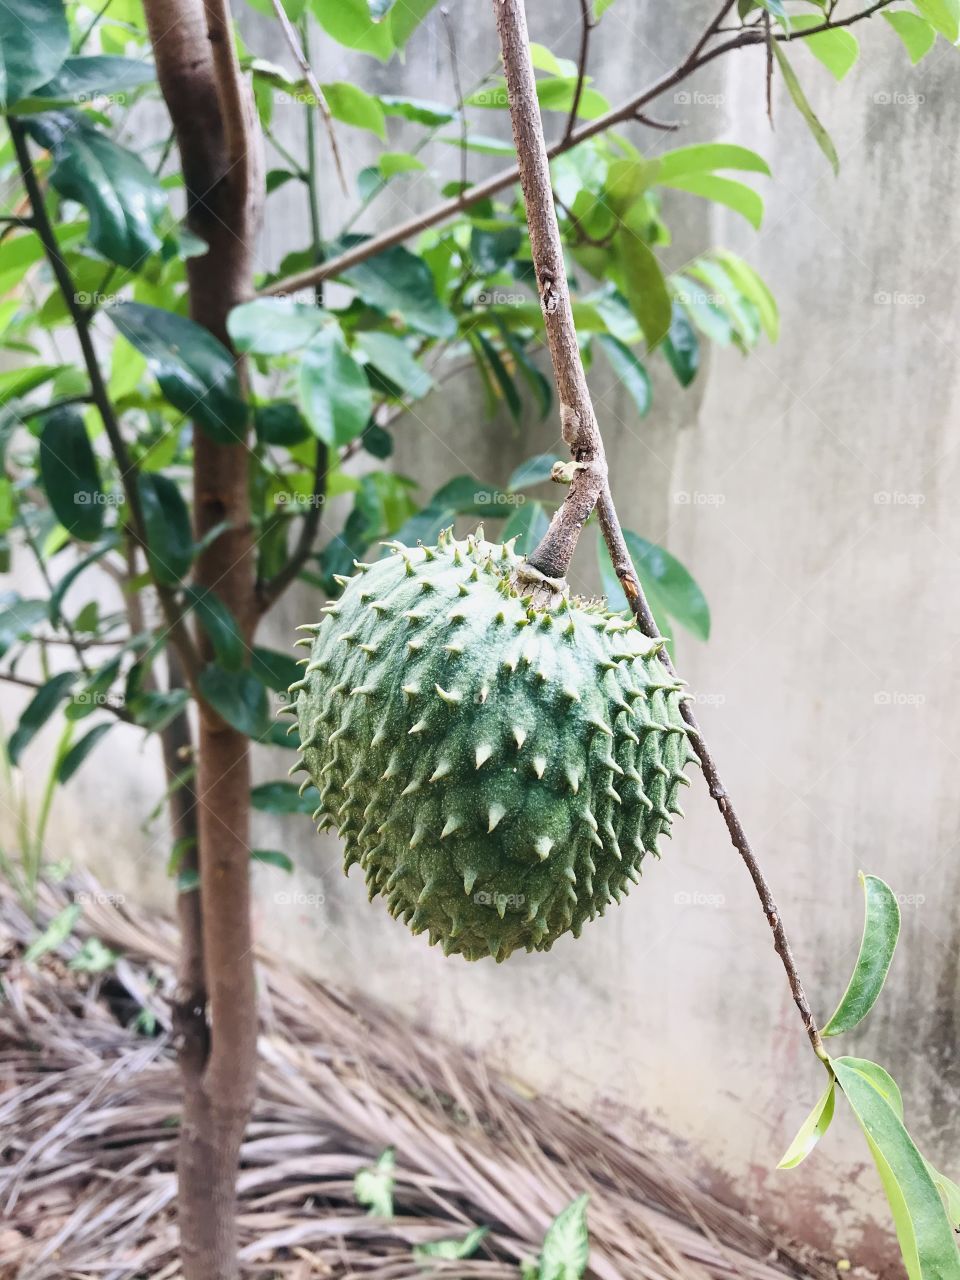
[(89, 1103)]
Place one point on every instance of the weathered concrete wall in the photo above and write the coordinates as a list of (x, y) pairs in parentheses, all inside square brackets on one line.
[(809, 487)]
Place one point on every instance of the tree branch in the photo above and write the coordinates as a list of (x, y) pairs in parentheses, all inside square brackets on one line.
[(584, 438), (586, 26), (302, 61), (698, 57)]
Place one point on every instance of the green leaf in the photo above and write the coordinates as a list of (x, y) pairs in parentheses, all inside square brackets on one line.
[(707, 157), (126, 203), (670, 583), (93, 957), (882, 1081), (505, 383), (753, 287), (351, 105), (57, 931), (392, 163), (645, 286), (949, 1194), (527, 524), (280, 423), (283, 797), (916, 34), (350, 23), (681, 346), (923, 1230), (274, 326), (838, 50), (82, 78), (196, 373), (943, 16), (74, 572), (399, 283), (18, 617), (775, 7), (629, 371), (492, 246), (71, 477), (881, 928), (452, 1249), (238, 697), (393, 360), (374, 1187), (418, 110), (167, 520), (219, 624), (272, 858), (823, 139), (812, 1130), (75, 757), (18, 382), (470, 497), (334, 389), (34, 41), (38, 711), (735, 195), (405, 17), (535, 470), (566, 1246), (276, 670), (425, 525)]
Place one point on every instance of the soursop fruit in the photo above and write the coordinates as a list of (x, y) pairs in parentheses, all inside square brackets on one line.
[(499, 768)]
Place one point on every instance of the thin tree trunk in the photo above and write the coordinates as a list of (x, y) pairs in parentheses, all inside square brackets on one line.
[(197, 72)]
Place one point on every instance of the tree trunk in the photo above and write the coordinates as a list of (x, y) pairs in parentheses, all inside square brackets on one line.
[(216, 1014)]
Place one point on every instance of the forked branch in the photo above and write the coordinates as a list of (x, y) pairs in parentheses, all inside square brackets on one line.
[(582, 434)]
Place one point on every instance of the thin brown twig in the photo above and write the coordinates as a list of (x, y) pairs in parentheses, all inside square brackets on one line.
[(586, 26), (698, 57), (300, 57), (586, 444)]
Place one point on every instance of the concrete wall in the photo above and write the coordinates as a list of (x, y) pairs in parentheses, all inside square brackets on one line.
[(820, 522)]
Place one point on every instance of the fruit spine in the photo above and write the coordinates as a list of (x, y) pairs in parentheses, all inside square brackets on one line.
[(499, 769)]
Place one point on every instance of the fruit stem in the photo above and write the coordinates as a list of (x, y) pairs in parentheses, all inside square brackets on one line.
[(589, 487)]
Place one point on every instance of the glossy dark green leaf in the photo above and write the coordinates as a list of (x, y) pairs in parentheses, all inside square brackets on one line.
[(400, 283), (506, 387), (538, 383), (377, 441), (71, 477), (823, 139), (280, 423), (38, 711), (334, 389), (167, 520), (681, 347), (75, 757), (645, 286), (238, 697), (154, 709), (425, 525), (535, 470), (629, 371), (220, 626), (527, 524), (82, 79), (881, 928), (34, 41), (283, 797), (492, 246), (566, 1246), (663, 575), (812, 1130), (272, 858), (196, 373), (125, 202), (276, 670), (924, 1233), (274, 326)]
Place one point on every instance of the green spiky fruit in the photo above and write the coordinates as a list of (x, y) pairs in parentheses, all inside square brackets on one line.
[(498, 769)]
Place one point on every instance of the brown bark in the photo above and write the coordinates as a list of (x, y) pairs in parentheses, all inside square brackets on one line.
[(212, 118)]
